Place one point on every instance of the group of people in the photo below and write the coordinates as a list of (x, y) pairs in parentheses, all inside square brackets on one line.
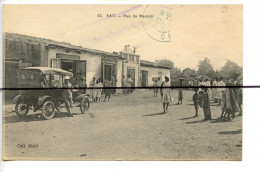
[(229, 97), (99, 88), (127, 84), (223, 93)]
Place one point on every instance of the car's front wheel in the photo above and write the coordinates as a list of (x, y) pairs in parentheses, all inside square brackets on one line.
[(21, 108), (48, 109)]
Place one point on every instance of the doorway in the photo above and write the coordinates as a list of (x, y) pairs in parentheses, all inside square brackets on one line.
[(144, 80), (131, 71)]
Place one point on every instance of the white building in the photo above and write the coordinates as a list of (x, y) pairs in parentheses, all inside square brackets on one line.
[(150, 70)]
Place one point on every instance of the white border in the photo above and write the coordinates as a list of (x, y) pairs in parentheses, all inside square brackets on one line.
[(251, 117)]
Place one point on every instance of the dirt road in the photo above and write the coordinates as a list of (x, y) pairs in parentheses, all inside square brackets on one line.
[(126, 128)]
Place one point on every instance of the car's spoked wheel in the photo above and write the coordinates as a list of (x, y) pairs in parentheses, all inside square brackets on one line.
[(84, 105), (21, 109), (48, 110)]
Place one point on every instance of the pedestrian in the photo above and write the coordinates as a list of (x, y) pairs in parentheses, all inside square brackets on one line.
[(99, 89), (239, 96), (82, 85), (107, 90), (129, 82), (114, 81), (200, 84), (166, 94), (214, 90), (158, 83), (124, 84), (221, 87), (67, 95), (223, 105), (205, 104), (231, 101), (208, 85), (93, 91), (195, 99), (180, 95)]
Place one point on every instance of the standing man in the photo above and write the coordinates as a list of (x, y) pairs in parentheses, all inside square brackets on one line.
[(158, 84), (166, 94), (214, 90), (220, 90), (67, 95), (129, 82)]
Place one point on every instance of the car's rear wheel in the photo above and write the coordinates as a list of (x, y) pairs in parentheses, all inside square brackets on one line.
[(48, 109), (21, 108), (84, 105)]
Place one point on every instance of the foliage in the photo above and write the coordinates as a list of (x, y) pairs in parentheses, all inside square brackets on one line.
[(231, 69), (205, 68)]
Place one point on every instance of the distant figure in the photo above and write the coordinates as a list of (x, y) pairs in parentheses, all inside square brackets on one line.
[(231, 101), (129, 82), (82, 85), (200, 84), (223, 105), (93, 91), (180, 95), (99, 90), (158, 83), (67, 95), (239, 96), (114, 81), (124, 84), (205, 104), (220, 90), (165, 94), (195, 99), (107, 91), (214, 90)]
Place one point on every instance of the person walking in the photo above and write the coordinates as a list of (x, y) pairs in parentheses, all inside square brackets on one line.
[(82, 85), (158, 83), (93, 91), (67, 95), (99, 90), (195, 99), (221, 88), (107, 90), (205, 104), (231, 101), (129, 82), (124, 84), (214, 90), (239, 96), (166, 96)]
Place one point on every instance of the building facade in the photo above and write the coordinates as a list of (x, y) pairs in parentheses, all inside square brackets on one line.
[(150, 71), (22, 51)]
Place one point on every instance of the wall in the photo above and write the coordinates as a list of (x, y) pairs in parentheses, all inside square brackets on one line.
[(93, 62), (153, 72)]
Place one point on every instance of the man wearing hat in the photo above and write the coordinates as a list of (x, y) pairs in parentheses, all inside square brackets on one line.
[(67, 95)]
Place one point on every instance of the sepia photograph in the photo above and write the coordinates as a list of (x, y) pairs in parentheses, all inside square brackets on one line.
[(122, 82)]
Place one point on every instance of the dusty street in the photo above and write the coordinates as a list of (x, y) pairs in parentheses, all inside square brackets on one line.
[(126, 128)]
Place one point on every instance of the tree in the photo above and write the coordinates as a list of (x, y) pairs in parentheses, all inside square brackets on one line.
[(205, 68), (188, 73), (231, 69), (165, 62)]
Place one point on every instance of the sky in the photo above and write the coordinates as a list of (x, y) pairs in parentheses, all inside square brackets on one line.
[(196, 31)]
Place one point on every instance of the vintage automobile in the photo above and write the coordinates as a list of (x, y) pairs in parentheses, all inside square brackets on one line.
[(41, 89)]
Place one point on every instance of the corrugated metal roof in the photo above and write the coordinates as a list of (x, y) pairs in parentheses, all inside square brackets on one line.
[(52, 43)]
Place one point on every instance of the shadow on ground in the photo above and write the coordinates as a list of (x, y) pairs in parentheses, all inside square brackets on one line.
[(187, 118), (231, 132), (31, 118), (154, 114)]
